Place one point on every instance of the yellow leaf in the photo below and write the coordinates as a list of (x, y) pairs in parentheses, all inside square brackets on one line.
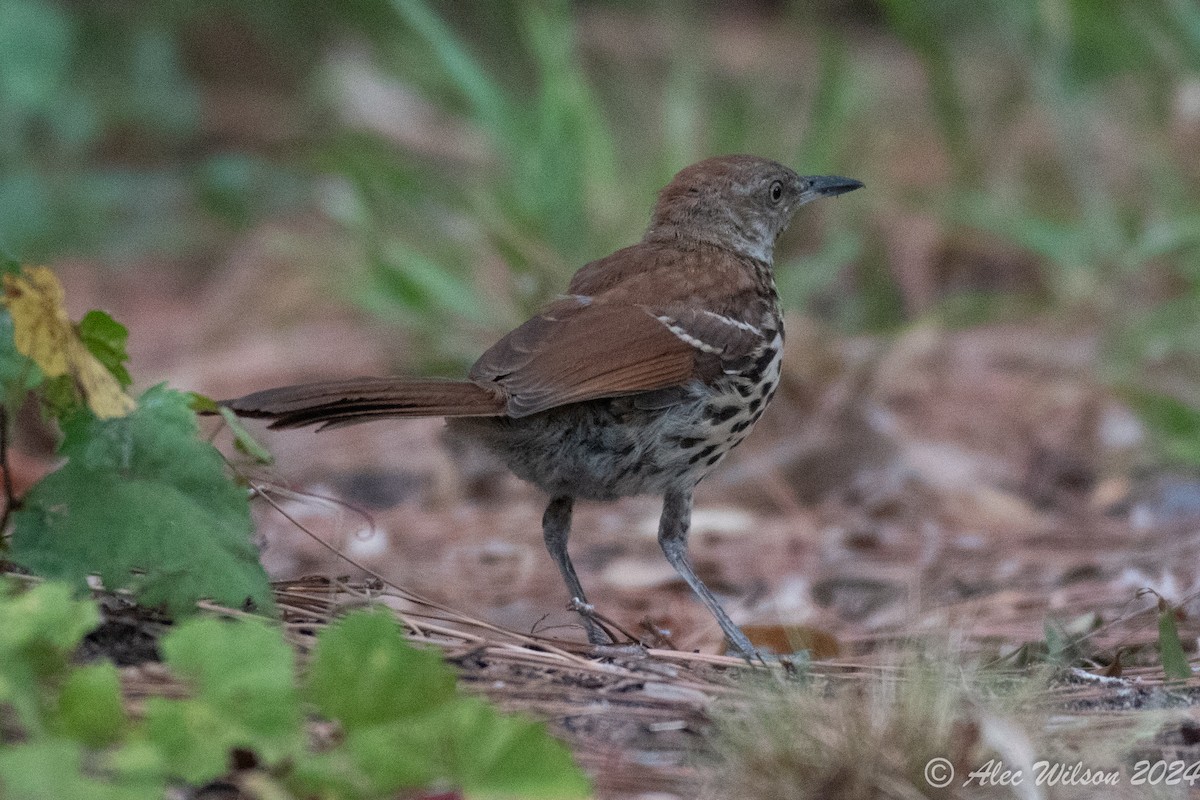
[(41, 328), (100, 389), (43, 332)]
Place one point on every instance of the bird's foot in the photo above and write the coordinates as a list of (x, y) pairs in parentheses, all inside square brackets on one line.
[(740, 645), (597, 632)]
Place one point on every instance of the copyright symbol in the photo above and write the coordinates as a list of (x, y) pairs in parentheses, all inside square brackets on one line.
[(939, 772)]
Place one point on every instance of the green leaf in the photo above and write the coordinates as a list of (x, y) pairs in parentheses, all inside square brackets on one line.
[(456, 62), (227, 660), (45, 615), (466, 743), (1170, 649), (407, 754), (145, 505), (105, 338), (193, 737), (242, 439), (89, 705), (243, 676), (332, 774), (499, 755), (407, 727), (363, 673), (60, 397), (39, 629), (137, 760), (18, 374), (202, 404), (1105, 41), (52, 769), (410, 279)]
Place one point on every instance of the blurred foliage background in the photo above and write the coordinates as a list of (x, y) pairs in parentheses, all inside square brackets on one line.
[(456, 161)]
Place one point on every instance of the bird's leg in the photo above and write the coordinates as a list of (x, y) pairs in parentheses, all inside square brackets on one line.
[(672, 537), (556, 527)]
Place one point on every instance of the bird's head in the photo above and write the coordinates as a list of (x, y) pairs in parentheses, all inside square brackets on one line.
[(741, 203)]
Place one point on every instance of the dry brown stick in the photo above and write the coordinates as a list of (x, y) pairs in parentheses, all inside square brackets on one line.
[(10, 499), (405, 593)]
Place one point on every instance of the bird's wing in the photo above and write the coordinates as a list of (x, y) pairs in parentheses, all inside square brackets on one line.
[(580, 350)]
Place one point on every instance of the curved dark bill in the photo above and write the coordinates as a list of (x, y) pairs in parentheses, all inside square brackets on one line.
[(832, 185)]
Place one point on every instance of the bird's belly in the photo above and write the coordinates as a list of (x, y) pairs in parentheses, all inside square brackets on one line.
[(605, 449)]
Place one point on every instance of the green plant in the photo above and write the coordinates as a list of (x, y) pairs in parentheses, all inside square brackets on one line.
[(141, 501), (570, 165), (102, 110), (402, 724), (421, 233), (407, 726), (63, 713), (1072, 146)]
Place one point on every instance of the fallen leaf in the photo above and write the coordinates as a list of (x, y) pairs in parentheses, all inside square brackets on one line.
[(786, 639)]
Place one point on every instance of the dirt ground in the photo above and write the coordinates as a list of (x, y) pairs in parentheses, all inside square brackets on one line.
[(970, 486)]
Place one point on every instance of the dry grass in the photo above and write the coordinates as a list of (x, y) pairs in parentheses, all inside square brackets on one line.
[(876, 735), (660, 723)]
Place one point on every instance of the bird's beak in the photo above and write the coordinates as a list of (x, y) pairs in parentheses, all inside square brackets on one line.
[(826, 186)]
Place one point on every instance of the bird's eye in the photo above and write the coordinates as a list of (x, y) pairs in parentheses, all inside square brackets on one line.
[(776, 192)]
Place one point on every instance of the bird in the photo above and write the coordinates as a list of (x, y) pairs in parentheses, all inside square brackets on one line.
[(654, 364)]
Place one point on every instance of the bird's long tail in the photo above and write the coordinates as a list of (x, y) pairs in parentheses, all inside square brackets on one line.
[(362, 399)]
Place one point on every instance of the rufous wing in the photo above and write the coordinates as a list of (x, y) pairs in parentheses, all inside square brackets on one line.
[(576, 350)]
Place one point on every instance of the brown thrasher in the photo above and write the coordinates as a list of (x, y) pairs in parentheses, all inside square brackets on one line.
[(656, 363)]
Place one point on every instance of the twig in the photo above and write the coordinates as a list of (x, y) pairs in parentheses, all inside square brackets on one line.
[(406, 594), (11, 502)]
